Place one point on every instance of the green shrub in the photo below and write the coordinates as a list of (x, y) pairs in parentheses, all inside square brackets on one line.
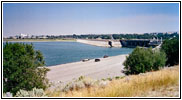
[(110, 79), (117, 77), (22, 68), (142, 60), (159, 60), (171, 48)]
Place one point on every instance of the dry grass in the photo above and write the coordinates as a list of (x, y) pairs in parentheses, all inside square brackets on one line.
[(130, 86), (169, 91)]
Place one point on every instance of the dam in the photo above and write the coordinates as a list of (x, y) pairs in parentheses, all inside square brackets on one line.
[(130, 43), (140, 42), (101, 43)]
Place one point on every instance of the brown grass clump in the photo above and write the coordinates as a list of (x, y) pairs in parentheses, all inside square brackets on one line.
[(130, 86)]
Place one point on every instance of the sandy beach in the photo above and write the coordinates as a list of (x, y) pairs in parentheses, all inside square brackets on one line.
[(107, 67)]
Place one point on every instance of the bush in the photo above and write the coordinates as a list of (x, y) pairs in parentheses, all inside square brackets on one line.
[(142, 60), (22, 68), (81, 82), (171, 48), (7, 94), (34, 93)]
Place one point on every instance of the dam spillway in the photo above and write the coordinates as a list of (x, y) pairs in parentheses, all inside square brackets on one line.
[(134, 43), (140, 42)]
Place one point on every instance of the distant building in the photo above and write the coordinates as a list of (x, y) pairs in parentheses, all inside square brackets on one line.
[(23, 36), (29, 36), (12, 37), (42, 37), (33, 37)]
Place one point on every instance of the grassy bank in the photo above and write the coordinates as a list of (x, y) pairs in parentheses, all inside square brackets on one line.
[(40, 40), (129, 86)]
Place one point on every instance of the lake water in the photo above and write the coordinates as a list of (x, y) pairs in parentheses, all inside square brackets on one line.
[(65, 52)]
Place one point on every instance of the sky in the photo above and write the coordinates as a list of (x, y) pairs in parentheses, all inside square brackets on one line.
[(89, 18)]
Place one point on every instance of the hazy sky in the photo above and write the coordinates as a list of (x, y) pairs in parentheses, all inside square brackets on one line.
[(89, 18)]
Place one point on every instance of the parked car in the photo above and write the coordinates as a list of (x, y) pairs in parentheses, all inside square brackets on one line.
[(97, 60), (105, 56), (84, 60)]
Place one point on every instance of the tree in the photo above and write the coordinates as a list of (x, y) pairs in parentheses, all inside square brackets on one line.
[(142, 60), (22, 68), (171, 48)]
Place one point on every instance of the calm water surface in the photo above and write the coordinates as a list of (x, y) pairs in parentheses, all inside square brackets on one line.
[(65, 52)]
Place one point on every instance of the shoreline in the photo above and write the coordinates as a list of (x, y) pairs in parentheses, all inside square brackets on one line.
[(105, 68), (81, 61), (99, 43), (39, 40)]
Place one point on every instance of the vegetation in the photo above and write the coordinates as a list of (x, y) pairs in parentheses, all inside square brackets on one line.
[(34, 93), (142, 60), (171, 48), (78, 84), (130, 86), (106, 36), (128, 36), (23, 72), (145, 36), (22, 68)]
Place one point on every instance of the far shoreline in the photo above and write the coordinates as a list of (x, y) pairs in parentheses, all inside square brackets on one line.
[(39, 40)]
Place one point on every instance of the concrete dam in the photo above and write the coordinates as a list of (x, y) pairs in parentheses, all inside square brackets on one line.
[(121, 43), (101, 43), (140, 42)]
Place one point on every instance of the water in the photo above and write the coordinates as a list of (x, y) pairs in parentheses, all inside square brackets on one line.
[(65, 52)]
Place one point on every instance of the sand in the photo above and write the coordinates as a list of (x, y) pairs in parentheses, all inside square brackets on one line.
[(107, 67)]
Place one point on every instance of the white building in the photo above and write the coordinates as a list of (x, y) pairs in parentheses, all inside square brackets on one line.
[(22, 36)]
